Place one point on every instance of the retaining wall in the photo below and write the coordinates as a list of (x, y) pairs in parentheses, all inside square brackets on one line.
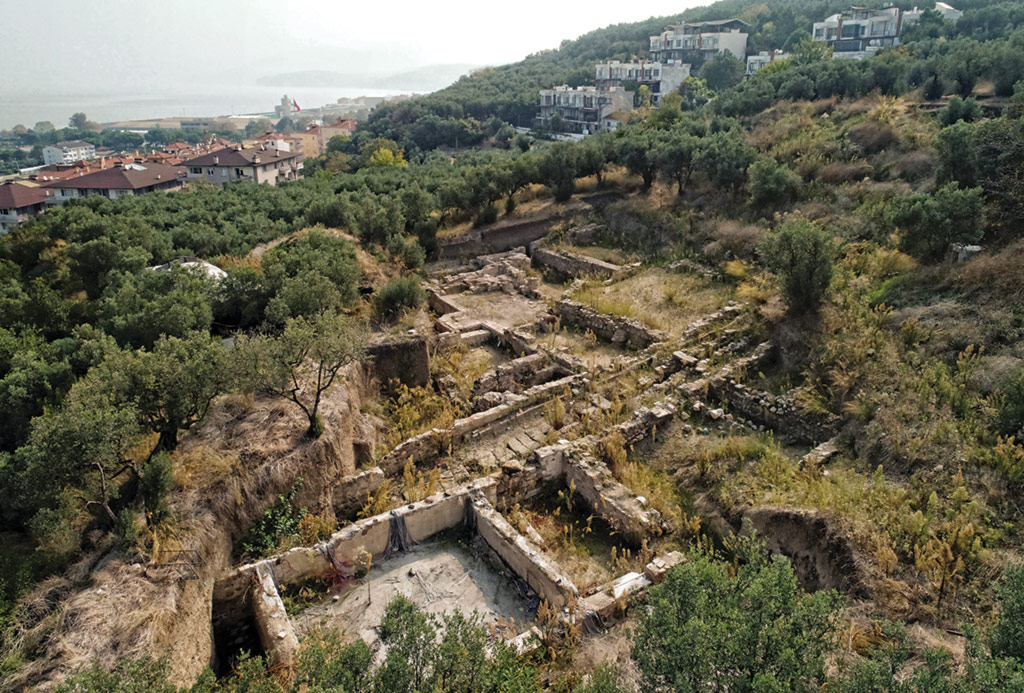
[(514, 375), (611, 501), (777, 412), (527, 561), (426, 446), (422, 519), (610, 328), (272, 623), (351, 493), (499, 238), (405, 360), (572, 264)]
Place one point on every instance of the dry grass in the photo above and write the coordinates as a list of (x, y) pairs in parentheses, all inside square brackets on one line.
[(999, 273), (660, 299), (733, 237), (202, 467)]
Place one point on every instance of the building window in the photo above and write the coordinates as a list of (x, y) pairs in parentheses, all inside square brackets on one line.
[(239, 172), (196, 170), (209, 171)]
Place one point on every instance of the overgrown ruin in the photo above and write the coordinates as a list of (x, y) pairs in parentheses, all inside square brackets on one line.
[(509, 454)]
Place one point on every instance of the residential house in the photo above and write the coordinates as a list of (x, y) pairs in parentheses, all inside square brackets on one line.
[(308, 142), (68, 152), (256, 165), (697, 42), (20, 202), (763, 59), (660, 78), (860, 32), (117, 181), (947, 11), (583, 110)]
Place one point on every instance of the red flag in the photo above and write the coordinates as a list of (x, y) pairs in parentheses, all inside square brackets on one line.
[(295, 103)]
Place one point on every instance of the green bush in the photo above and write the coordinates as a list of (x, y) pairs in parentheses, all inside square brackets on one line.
[(126, 530), (958, 109), (710, 627), (156, 480), (488, 215), (930, 224), (771, 184), (279, 522), (800, 253), (399, 294), (1011, 409)]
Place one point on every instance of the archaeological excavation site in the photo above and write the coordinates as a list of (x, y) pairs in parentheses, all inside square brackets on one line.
[(538, 445), (544, 492)]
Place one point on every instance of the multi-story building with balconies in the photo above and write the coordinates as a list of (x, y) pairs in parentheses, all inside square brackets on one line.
[(584, 110), (763, 59), (262, 164), (860, 32), (660, 78), (697, 42), (68, 152)]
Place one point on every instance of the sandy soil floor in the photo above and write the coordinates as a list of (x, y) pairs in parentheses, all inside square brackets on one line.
[(500, 309), (440, 576)]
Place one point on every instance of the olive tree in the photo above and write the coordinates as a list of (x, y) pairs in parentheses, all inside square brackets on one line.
[(712, 627), (303, 362), (800, 253)]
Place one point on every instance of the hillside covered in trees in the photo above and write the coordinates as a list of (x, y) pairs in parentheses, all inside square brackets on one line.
[(838, 202)]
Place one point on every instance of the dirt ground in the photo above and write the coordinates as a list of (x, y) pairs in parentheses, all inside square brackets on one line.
[(500, 309), (439, 576)]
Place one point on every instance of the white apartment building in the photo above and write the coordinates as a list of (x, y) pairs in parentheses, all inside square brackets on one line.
[(947, 11), (696, 42), (584, 110), (763, 59), (660, 78), (860, 32), (68, 152)]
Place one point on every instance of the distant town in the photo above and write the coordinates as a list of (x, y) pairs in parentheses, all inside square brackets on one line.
[(265, 148)]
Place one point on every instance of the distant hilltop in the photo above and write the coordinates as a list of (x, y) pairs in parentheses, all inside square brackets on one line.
[(427, 78)]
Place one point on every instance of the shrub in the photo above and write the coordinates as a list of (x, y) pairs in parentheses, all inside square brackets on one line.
[(1007, 637), (612, 450), (408, 251), (126, 530), (156, 480), (555, 413), (801, 254), (916, 165), (958, 109), (929, 224), (605, 679), (398, 295), (1011, 409), (872, 136), (771, 184), (712, 627), (280, 521), (735, 239), (843, 172), (489, 214)]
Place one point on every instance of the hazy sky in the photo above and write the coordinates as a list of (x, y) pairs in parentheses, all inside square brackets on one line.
[(53, 45)]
